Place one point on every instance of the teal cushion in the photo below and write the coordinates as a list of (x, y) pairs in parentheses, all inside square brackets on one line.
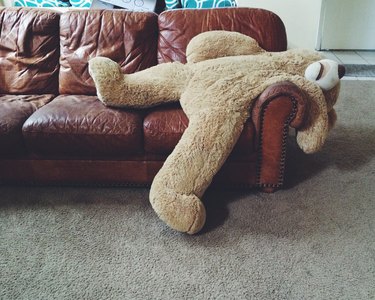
[(41, 3), (170, 4), (80, 3)]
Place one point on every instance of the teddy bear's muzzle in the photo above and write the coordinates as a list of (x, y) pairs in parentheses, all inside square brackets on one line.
[(326, 73)]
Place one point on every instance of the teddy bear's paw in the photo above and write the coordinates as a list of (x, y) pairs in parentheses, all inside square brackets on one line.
[(185, 213), (310, 143), (106, 74)]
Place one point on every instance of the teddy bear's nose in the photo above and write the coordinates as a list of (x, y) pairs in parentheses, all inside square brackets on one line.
[(341, 71)]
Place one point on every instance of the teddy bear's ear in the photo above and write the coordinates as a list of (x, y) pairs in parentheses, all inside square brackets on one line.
[(220, 43), (326, 73)]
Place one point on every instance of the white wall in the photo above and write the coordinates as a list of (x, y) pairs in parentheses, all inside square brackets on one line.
[(301, 18), (6, 2), (352, 26)]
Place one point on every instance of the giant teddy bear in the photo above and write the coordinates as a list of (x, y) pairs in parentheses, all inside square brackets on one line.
[(224, 73)]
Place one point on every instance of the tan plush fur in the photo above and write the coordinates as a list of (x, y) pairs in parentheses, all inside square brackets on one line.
[(215, 91)]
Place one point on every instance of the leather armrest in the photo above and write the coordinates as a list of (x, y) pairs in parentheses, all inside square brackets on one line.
[(276, 91), (281, 105)]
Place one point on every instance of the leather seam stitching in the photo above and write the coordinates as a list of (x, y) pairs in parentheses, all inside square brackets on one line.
[(283, 146)]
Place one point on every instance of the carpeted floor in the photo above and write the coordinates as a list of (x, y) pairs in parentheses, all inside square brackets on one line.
[(313, 240)]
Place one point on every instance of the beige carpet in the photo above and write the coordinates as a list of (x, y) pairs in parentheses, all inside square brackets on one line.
[(313, 240)]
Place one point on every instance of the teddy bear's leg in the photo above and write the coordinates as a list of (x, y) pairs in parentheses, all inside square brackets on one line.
[(159, 84), (181, 211), (181, 182), (220, 43)]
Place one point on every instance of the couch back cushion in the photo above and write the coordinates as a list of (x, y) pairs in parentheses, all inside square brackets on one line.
[(129, 38), (29, 51), (178, 27)]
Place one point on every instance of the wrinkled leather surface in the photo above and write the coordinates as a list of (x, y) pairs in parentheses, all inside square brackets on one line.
[(163, 128), (29, 51), (129, 38), (82, 125), (76, 139), (14, 110), (178, 27)]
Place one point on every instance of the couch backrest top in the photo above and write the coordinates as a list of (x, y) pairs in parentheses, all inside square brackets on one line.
[(178, 27), (42, 51), (29, 51), (129, 38)]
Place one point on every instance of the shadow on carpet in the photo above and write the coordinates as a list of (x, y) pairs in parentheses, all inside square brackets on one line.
[(347, 148)]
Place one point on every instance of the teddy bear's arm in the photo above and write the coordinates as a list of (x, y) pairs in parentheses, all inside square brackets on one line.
[(312, 136), (159, 84), (219, 43), (314, 130)]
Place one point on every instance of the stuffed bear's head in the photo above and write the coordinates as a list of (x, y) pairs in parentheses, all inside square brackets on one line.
[(326, 74)]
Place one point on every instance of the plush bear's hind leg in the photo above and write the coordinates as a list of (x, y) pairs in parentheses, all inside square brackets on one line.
[(159, 84), (182, 212), (189, 170), (214, 44)]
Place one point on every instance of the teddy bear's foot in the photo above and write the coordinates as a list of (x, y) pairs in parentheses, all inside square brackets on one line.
[(106, 75), (159, 84), (185, 213)]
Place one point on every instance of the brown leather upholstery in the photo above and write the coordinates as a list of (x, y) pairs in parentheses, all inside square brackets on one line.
[(29, 51), (129, 38), (178, 27), (163, 128), (83, 126), (75, 139), (111, 172), (14, 111), (277, 90)]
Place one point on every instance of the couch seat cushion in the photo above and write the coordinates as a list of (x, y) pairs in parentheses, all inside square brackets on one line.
[(164, 126), (82, 126), (14, 110)]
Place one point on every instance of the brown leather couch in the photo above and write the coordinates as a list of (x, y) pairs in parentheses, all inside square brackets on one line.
[(54, 130)]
